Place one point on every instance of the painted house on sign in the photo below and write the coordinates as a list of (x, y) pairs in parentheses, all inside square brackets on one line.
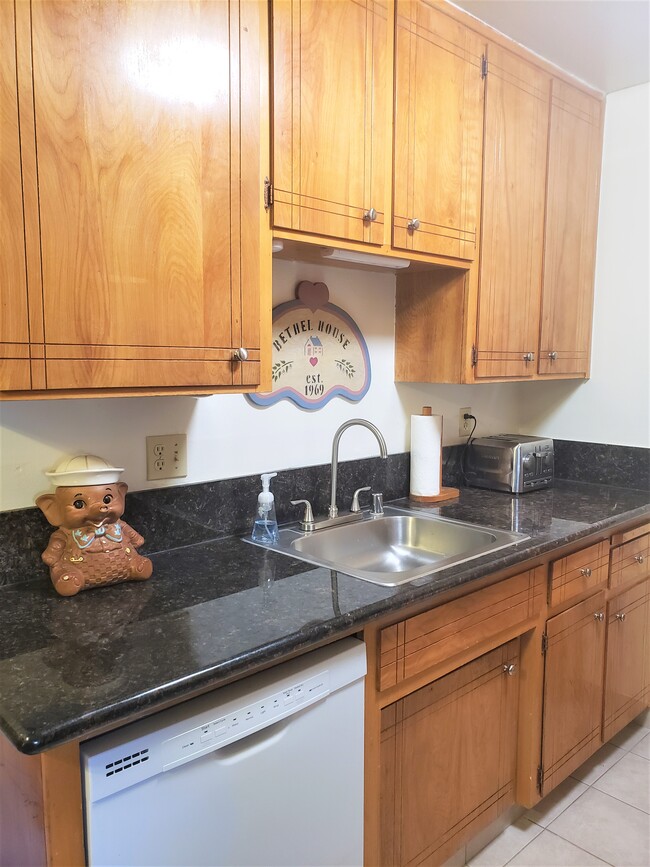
[(313, 347)]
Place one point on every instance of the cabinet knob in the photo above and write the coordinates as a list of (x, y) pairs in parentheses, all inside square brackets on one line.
[(599, 616), (552, 356), (586, 572), (509, 669), (621, 616), (529, 356), (370, 215), (639, 558), (241, 354), (413, 225)]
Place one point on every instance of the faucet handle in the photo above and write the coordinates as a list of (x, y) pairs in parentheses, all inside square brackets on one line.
[(355, 499), (307, 522), (377, 504)]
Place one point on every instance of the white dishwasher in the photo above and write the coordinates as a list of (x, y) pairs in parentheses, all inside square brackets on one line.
[(266, 772)]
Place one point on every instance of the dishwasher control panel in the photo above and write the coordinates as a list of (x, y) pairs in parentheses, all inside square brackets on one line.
[(242, 721)]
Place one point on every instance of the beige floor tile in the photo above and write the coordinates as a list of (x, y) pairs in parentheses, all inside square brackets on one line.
[(607, 828), (630, 736), (552, 805), (600, 762), (548, 850), (629, 781), (507, 844), (642, 748)]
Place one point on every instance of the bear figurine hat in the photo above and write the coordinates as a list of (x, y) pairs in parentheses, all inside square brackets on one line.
[(84, 470)]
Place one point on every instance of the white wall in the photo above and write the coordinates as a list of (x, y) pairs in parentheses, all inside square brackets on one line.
[(228, 436), (614, 405)]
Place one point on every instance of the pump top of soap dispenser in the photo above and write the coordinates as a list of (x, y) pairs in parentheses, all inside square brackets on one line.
[(265, 526)]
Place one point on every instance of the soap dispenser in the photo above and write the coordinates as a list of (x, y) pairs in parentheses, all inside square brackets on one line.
[(265, 526)]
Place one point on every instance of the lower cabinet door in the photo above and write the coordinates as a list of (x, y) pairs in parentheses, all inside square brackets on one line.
[(448, 757), (573, 688), (626, 676)]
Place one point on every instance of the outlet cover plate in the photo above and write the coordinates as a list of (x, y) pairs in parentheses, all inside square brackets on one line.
[(167, 456), (464, 424)]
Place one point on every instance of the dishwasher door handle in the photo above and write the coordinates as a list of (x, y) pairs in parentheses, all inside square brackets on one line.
[(254, 743)]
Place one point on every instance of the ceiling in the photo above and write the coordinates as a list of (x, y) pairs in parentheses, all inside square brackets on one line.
[(603, 42)]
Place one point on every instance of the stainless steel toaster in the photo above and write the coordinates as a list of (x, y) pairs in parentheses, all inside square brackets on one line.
[(510, 462)]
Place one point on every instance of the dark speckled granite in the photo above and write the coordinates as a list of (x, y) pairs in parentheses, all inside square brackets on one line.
[(601, 463), (216, 611)]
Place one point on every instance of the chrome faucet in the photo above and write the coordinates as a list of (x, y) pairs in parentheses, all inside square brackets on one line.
[(333, 509)]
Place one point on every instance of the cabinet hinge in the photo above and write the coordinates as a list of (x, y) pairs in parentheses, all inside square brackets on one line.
[(484, 66), (474, 356), (544, 644), (540, 778), (268, 194)]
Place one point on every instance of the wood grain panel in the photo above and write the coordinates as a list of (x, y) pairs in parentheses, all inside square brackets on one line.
[(439, 93), (628, 648), (14, 322), (448, 760), (578, 573), (435, 635), (570, 234), (100, 373), (630, 562), (331, 103), (627, 535), (573, 688), (514, 173)]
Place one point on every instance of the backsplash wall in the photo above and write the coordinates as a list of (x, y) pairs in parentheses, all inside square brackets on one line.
[(227, 436)]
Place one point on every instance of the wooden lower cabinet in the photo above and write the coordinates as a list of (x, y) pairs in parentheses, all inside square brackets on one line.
[(573, 684), (626, 673), (448, 756)]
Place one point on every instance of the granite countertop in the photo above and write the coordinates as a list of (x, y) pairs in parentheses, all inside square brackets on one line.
[(218, 610)]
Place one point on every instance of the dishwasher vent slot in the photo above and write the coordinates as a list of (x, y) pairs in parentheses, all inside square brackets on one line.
[(131, 761)]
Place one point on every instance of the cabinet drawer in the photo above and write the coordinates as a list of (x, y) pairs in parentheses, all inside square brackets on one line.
[(414, 645), (630, 562), (577, 573)]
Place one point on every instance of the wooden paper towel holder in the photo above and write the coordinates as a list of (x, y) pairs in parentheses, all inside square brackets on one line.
[(445, 493)]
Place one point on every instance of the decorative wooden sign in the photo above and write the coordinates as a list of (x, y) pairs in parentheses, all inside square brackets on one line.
[(318, 352)]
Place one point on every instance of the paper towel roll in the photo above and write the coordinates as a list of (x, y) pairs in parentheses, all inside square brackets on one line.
[(426, 455)]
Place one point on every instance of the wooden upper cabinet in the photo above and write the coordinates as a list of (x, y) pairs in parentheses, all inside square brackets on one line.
[(147, 138), (331, 99), (514, 174), (439, 91), (570, 239), (14, 323)]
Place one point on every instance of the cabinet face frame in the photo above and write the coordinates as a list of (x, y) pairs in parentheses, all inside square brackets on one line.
[(121, 353)]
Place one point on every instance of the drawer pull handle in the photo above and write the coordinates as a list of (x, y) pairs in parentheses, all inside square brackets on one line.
[(413, 225), (639, 558), (509, 669), (240, 354), (621, 616), (586, 572), (599, 616), (370, 215), (528, 356)]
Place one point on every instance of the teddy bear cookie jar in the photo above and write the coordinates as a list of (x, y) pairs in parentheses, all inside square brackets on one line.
[(92, 546)]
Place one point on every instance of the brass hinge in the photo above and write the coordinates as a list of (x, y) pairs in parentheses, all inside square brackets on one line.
[(474, 356), (540, 778), (268, 194), (484, 66), (544, 644)]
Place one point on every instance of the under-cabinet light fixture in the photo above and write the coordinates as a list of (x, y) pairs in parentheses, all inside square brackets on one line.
[(277, 246), (364, 258)]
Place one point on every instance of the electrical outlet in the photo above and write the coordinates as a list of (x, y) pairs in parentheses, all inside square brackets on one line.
[(167, 457), (464, 424)]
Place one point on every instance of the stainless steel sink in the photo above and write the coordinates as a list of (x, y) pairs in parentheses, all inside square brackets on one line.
[(395, 548)]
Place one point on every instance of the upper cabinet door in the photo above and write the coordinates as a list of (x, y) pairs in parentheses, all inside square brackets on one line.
[(147, 123), (14, 323), (571, 219), (331, 100), (439, 94), (514, 174)]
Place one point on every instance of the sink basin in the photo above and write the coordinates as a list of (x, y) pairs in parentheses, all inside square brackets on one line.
[(395, 548)]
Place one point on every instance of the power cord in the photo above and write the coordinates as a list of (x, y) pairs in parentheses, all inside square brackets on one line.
[(466, 416)]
